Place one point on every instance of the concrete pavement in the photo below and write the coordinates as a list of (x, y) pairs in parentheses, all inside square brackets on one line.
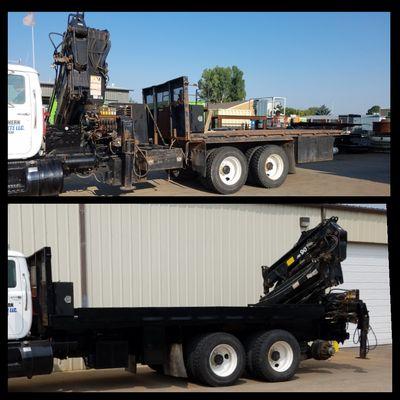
[(342, 373), (366, 174)]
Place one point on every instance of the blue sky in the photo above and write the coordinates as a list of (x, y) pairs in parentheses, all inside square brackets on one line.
[(338, 59)]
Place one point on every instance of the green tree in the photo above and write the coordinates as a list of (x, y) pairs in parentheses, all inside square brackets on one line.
[(373, 110), (219, 84), (322, 110), (237, 87), (291, 111)]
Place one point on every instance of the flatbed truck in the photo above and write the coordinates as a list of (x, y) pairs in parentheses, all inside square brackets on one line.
[(297, 317), (121, 144)]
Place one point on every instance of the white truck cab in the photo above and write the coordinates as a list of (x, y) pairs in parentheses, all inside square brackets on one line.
[(19, 296), (25, 113)]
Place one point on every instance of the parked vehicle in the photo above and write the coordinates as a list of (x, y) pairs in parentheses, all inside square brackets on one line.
[(295, 319), (122, 143)]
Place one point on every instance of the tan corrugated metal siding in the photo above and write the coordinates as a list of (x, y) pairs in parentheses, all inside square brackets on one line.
[(180, 255), (33, 226), (172, 254), (361, 226)]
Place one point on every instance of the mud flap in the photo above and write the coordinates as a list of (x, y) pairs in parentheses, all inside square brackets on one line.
[(175, 365), (313, 149)]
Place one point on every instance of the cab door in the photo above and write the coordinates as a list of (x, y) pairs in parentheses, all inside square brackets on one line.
[(21, 115), (16, 299)]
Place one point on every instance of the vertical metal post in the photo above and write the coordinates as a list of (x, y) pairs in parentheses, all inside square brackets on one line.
[(33, 48), (323, 213), (127, 145), (155, 116), (363, 325), (83, 259), (186, 108)]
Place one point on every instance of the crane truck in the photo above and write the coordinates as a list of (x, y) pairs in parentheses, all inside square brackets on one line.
[(121, 144), (299, 316)]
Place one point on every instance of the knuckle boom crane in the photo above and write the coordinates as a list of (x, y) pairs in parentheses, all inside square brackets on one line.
[(83, 135), (121, 143), (307, 272)]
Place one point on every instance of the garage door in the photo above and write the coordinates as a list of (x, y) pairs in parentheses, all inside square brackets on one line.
[(367, 268)]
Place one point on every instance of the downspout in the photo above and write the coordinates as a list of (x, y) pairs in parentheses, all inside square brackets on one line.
[(323, 213), (83, 255)]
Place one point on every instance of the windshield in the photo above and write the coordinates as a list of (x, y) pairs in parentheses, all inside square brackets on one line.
[(16, 89)]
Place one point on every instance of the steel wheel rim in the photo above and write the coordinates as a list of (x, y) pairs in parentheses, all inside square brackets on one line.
[(223, 360), (274, 166), (230, 170), (280, 356)]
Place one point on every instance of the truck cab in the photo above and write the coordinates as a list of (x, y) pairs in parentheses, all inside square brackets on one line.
[(19, 297), (25, 115)]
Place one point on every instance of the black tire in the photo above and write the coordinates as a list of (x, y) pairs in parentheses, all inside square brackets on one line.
[(159, 368), (204, 370), (213, 177), (248, 345), (204, 181), (249, 155), (258, 165), (260, 356)]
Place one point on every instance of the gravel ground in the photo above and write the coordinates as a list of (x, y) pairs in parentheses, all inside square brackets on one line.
[(364, 174)]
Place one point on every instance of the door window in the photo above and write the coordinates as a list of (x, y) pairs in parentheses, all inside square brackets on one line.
[(16, 89), (12, 277)]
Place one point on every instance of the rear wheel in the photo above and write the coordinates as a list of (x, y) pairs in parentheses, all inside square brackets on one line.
[(226, 170), (274, 356), (249, 155), (216, 359), (269, 166)]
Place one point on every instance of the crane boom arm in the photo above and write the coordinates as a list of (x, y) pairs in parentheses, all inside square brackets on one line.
[(81, 72)]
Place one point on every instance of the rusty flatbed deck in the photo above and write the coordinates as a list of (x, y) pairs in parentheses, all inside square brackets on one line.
[(253, 135)]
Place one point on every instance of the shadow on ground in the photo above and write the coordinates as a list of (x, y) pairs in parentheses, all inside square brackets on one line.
[(373, 167), (92, 381)]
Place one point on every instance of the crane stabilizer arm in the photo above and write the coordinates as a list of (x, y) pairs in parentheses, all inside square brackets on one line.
[(81, 72), (306, 272)]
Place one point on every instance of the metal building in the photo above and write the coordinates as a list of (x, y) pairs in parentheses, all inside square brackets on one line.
[(193, 254), (113, 94)]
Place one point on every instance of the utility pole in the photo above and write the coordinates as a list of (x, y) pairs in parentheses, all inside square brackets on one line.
[(29, 20)]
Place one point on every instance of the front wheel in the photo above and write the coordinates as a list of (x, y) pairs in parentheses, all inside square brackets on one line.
[(227, 170)]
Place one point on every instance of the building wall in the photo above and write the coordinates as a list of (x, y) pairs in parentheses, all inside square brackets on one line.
[(361, 226), (171, 254), (181, 255), (112, 95)]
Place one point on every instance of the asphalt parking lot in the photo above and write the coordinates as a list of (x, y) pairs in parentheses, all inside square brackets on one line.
[(365, 174), (342, 373)]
